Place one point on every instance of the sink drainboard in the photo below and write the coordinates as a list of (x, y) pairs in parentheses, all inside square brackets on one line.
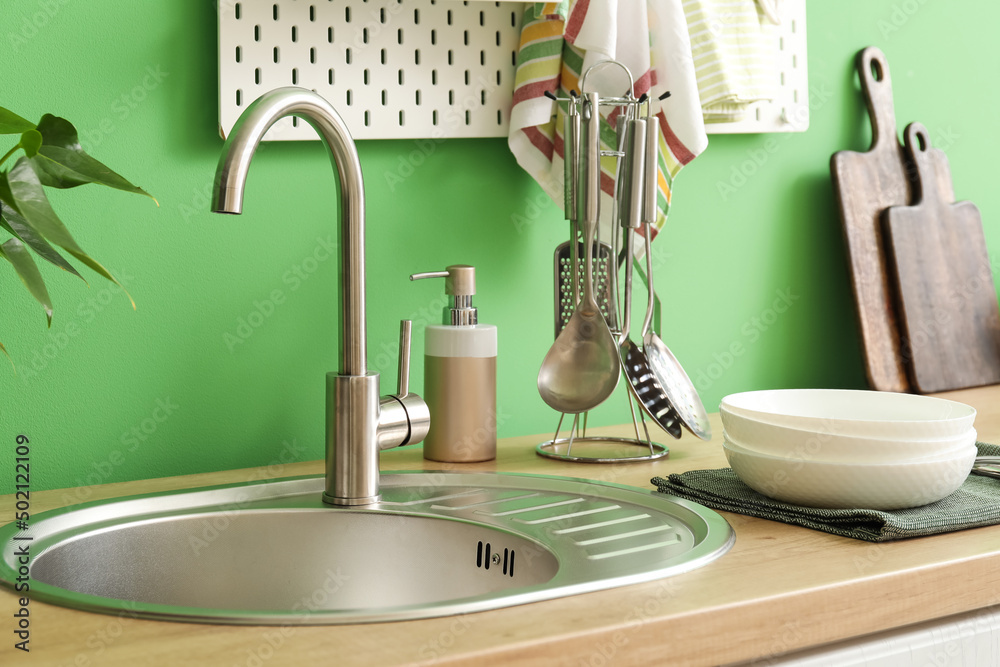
[(438, 544)]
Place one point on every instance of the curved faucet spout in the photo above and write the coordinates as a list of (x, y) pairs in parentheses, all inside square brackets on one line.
[(230, 179)]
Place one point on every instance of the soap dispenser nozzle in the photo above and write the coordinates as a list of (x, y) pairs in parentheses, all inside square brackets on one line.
[(460, 286)]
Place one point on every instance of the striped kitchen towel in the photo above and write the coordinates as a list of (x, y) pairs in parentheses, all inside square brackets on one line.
[(733, 47), (559, 41)]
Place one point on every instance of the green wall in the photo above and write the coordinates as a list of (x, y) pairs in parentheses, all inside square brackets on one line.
[(159, 392)]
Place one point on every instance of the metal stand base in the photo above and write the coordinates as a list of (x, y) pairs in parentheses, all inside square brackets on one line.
[(583, 450)]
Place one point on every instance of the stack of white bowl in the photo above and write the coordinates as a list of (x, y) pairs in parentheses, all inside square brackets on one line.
[(839, 448)]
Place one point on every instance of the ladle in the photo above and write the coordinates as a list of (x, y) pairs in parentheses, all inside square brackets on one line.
[(581, 368)]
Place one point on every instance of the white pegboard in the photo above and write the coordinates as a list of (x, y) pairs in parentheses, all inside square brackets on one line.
[(398, 69), (789, 110), (392, 68)]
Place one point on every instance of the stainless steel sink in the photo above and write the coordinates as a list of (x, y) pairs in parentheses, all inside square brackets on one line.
[(437, 544)]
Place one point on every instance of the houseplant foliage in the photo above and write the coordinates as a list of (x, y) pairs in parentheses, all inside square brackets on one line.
[(52, 157)]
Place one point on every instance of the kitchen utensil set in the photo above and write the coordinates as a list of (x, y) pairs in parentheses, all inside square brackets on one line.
[(591, 350)]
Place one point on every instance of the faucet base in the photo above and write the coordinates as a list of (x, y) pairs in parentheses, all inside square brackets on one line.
[(352, 417), (350, 502)]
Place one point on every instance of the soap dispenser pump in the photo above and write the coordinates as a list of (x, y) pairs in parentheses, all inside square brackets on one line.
[(460, 375)]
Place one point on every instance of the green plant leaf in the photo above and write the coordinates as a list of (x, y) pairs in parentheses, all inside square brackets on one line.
[(11, 123), (62, 163), (31, 141), (30, 201), (17, 254), (12, 221)]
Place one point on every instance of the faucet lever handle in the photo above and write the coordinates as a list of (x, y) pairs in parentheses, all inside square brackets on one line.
[(403, 384)]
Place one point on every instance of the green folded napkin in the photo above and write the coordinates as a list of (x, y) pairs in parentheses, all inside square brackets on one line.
[(976, 503)]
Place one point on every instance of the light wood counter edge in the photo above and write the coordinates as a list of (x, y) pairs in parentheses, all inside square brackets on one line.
[(781, 588)]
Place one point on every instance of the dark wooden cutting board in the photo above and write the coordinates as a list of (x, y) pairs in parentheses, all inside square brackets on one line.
[(866, 184), (941, 270)]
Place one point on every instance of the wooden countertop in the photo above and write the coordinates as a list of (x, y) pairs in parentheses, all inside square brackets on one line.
[(781, 588)]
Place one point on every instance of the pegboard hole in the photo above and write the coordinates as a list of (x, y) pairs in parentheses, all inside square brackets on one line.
[(467, 79), (434, 37), (451, 98), (451, 57), (256, 75), (434, 117), (256, 33), (417, 96), (239, 97), (329, 76), (482, 18), (449, 17), (312, 13), (368, 118), (468, 117), (381, 15), (465, 37), (399, 77), (347, 55), (482, 58), (350, 98), (385, 97), (239, 11), (295, 33), (399, 36), (364, 35), (239, 54), (274, 12), (384, 56), (416, 17), (366, 77), (329, 35), (434, 77), (402, 118), (312, 55), (276, 54), (347, 14), (295, 121), (295, 76), (416, 56)]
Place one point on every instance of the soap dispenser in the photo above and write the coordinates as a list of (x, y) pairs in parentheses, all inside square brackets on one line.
[(460, 375)]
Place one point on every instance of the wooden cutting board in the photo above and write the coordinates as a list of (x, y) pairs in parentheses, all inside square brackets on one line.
[(866, 184), (941, 270)]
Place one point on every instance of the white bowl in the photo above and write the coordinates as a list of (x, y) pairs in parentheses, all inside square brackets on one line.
[(880, 486), (866, 414), (825, 444)]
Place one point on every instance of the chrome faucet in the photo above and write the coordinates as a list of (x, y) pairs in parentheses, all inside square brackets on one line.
[(358, 423)]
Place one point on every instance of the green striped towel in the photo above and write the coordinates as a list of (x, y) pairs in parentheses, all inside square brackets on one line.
[(733, 47)]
